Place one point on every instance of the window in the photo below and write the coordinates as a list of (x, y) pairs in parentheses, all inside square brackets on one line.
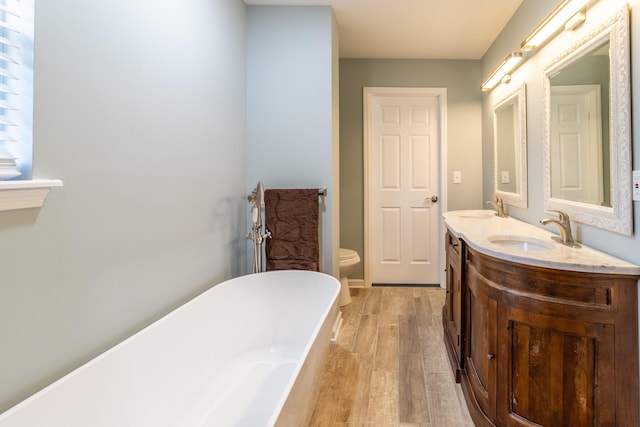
[(18, 189), (16, 88)]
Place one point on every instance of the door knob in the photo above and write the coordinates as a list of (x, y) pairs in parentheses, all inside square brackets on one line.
[(434, 198)]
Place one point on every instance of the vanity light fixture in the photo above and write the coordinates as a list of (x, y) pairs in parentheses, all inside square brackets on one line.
[(576, 20), (569, 10), (501, 74)]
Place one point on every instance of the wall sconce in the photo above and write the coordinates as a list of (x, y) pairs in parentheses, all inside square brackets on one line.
[(570, 12), (502, 72)]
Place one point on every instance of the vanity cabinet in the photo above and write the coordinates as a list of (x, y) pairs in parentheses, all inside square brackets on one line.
[(543, 346), (452, 315)]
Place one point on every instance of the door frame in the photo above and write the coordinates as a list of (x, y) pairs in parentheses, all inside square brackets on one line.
[(367, 94)]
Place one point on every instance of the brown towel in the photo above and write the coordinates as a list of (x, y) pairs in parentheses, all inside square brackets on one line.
[(292, 218)]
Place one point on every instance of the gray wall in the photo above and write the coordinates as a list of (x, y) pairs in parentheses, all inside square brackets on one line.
[(462, 80), (291, 122), (531, 71), (140, 110)]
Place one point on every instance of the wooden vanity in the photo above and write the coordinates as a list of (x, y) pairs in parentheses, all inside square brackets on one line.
[(540, 339)]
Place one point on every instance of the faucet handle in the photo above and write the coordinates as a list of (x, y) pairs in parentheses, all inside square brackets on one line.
[(564, 217)]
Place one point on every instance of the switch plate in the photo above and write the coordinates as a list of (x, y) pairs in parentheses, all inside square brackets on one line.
[(635, 184), (504, 177), (457, 177)]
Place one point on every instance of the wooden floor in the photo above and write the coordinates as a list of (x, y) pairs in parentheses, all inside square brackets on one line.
[(388, 366)]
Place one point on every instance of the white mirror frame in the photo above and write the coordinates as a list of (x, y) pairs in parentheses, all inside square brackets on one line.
[(617, 218), (518, 198)]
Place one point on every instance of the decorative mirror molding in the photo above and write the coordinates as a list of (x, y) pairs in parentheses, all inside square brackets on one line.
[(618, 216), (510, 148)]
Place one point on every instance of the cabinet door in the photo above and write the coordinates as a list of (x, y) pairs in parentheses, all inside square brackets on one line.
[(561, 371), (481, 346), (454, 316)]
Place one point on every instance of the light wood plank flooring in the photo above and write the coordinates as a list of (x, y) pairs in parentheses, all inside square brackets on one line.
[(388, 366)]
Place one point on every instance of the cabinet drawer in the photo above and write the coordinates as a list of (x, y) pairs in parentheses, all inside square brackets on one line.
[(567, 288), (454, 243)]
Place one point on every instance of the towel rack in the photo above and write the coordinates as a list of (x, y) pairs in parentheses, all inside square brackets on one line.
[(322, 191)]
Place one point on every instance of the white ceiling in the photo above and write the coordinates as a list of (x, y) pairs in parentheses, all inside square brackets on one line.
[(433, 29)]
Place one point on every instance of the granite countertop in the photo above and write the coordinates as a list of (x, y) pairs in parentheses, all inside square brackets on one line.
[(479, 227)]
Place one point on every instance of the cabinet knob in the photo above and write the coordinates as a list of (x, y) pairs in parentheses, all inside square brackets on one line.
[(491, 356)]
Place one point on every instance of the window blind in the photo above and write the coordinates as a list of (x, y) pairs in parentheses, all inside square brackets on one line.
[(10, 44)]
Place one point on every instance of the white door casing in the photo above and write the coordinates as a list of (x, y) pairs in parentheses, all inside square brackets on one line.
[(404, 153)]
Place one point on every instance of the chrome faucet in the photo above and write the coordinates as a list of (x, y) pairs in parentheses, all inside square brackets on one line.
[(498, 205), (256, 198), (564, 226)]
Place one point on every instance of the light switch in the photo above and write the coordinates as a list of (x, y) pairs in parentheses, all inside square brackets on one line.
[(636, 186), (457, 177), (504, 177)]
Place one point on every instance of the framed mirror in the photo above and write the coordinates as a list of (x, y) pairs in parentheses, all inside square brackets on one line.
[(587, 128), (510, 148)]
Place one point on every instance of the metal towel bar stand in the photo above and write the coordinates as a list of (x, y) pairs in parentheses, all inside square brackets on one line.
[(256, 198)]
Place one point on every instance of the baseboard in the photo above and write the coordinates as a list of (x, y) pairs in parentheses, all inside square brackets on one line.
[(409, 285), (356, 283), (359, 283), (336, 327)]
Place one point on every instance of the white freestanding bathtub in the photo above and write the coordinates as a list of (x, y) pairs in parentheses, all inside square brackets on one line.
[(247, 352)]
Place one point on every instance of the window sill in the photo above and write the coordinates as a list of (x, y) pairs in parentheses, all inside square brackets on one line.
[(25, 194)]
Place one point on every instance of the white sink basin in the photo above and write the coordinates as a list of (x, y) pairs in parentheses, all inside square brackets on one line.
[(521, 243)]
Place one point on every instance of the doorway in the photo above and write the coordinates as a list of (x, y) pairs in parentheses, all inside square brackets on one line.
[(404, 159)]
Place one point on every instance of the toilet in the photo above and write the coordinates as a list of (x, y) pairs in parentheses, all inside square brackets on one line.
[(348, 261)]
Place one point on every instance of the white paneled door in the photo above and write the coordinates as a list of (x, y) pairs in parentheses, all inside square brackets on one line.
[(402, 140), (576, 144)]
